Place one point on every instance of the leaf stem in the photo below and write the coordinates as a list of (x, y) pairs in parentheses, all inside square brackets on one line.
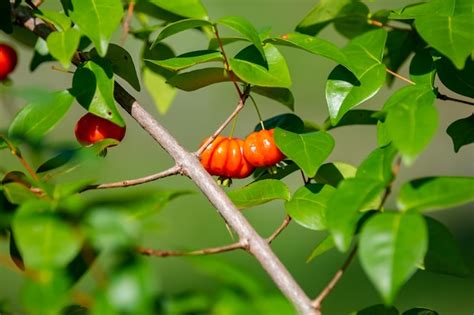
[(126, 22), (449, 98), (399, 76), (258, 112)]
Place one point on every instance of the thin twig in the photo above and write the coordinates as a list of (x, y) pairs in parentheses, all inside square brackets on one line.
[(138, 181), (280, 229), (400, 76), (16, 153), (126, 22), (391, 26), (37, 3), (449, 98)]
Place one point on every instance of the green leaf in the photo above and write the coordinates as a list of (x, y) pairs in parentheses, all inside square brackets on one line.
[(246, 29), (444, 255), (440, 7), (343, 208), (344, 91), (313, 45), (378, 165), (433, 193), (281, 95), (279, 173), (459, 81), (391, 247), (5, 16), (45, 294), (308, 205), (353, 117), (353, 20), (286, 121), (450, 35), (420, 311), (308, 150), (378, 309), (196, 79), (97, 19), (122, 64), (422, 68), (44, 239), (17, 193), (185, 8), (93, 87), (462, 132), (412, 120), (258, 193), (39, 117), (249, 66), (63, 45), (214, 43), (325, 245), (179, 26), (400, 45), (333, 173), (59, 19), (188, 59)]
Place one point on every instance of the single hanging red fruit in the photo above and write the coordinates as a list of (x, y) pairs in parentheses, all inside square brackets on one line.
[(8, 60), (260, 149), (91, 129)]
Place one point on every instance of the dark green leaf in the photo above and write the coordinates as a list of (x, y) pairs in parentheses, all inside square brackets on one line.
[(422, 70), (40, 116), (378, 309), (15, 254), (420, 311), (462, 132), (5, 17), (57, 161), (353, 117), (378, 165), (282, 95), (400, 44), (459, 81), (97, 19), (196, 79), (214, 43), (246, 29), (289, 122), (63, 45), (185, 8), (343, 208), (279, 173), (433, 193), (353, 20), (74, 310), (308, 205), (325, 245), (249, 66), (93, 87), (188, 59), (258, 193), (391, 247), (308, 150), (444, 255), (344, 91), (333, 173), (179, 26)]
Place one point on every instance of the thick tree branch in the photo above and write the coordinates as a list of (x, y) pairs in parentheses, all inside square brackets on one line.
[(191, 166)]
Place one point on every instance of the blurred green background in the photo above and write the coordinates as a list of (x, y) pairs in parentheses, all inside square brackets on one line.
[(191, 223)]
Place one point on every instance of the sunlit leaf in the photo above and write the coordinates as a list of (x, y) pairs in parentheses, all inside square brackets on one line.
[(196, 79), (63, 45), (179, 26), (333, 173), (259, 192), (185, 8), (378, 165), (188, 59)]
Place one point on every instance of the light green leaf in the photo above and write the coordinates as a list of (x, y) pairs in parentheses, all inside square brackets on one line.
[(333, 173), (63, 45), (17, 193), (325, 245), (308, 150), (249, 66), (258, 193), (391, 247), (179, 26), (343, 209), (282, 95), (188, 59), (246, 29), (60, 20), (161, 92), (433, 193), (185, 8), (97, 19), (308, 205), (462, 132), (378, 165), (196, 79), (344, 91), (39, 117)]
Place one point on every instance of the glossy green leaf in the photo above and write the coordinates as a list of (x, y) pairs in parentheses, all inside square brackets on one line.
[(122, 64), (459, 81), (440, 7), (39, 117), (93, 87), (63, 45), (5, 16), (462, 132), (333, 173), (188, 59), (343, 208), (286, 121), (412, 120), (444, 255), (179, 26), (196, 79), (281, 95), (353, 117), (390, 248), (314, 45), (325, 245), (258, 193), (378, 165), (44, 239), (378, 309), (185, 8), (344, 91), (450, 35), (307, 150), (249, 66), (246, 29), (308, 205), (59, 19), (420, 311), (97, 19), (433, 193), (422, 69)]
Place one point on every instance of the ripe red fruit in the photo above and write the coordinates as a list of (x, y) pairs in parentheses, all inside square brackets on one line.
[(91, 129), (8, 60), (260, 149), (225, 157)]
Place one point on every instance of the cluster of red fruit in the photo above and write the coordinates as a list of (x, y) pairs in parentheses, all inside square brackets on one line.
[(8, 61), (236, 158)]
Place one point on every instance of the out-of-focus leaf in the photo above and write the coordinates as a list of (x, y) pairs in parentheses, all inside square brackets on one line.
[(196, 79), (333, 173), (185, 8), (378, 309), (188, 59), (17, 193), (63, 45), (400, 44), (258, 193), (60, 20), (462, 132), (15, 254), (353, 20), (420, 311), (325, 245), (433, 193), (5, 16), (378, 165), (281, 95), (179, 26), (459, 81)]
